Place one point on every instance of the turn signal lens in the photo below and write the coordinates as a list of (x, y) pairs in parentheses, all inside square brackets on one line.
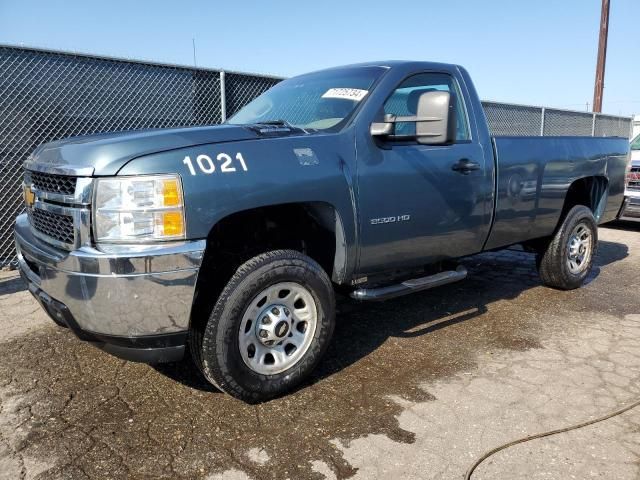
[(171, 193), (172, 224)]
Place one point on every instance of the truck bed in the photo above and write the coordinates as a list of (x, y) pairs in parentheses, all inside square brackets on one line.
[(533, 175)]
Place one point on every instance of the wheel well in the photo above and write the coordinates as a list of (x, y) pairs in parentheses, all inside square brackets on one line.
[(312, 228), (588, 191)]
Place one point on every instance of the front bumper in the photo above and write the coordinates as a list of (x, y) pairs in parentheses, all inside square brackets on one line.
[(132, 301), (631, 209)]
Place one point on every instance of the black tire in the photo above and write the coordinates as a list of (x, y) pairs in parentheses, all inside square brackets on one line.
[(215, 348), (553, 265)]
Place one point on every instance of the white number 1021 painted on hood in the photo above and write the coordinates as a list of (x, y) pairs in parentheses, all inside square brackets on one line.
[(206, 165)]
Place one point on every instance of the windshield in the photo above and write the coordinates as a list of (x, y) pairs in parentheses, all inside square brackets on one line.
[(635, 144), (316, 101)]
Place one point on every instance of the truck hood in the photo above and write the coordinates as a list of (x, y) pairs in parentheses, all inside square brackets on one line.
[(106, 153)]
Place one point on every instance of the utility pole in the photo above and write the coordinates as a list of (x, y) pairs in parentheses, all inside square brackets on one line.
[(602, 57)]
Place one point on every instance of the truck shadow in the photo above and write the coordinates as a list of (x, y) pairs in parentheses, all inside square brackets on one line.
[(11, 284), (625, 225), (363, 328)]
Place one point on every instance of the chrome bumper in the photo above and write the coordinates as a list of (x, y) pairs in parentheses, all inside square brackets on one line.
[(631, 209), (122, 292)]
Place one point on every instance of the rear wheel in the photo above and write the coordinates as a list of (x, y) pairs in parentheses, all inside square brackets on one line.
[(269, 328), (568, 258)]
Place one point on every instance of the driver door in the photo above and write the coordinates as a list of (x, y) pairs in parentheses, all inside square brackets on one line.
[(417, 205)]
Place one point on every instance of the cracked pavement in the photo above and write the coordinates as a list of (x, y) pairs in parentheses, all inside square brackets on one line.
[(417, 387)]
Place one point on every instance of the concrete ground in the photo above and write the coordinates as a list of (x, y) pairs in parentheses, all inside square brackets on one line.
[(414, 388)]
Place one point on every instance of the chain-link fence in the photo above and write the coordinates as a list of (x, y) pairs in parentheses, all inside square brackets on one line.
[(525, 120), (46, 95)]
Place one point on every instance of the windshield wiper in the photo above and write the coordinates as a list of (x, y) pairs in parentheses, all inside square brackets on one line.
[(278, 123)]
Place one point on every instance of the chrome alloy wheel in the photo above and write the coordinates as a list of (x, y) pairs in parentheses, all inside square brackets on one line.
[(277, 328), (579, 248)]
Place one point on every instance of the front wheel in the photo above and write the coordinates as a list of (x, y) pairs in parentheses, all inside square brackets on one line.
[(269, 328), (568, 258)]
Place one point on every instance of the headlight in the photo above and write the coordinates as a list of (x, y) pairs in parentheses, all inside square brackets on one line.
[(139, 208)]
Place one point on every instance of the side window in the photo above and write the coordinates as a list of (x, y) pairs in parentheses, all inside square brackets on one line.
[(404, 101)]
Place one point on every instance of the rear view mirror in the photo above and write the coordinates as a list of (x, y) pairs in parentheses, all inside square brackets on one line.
[(433, 118)]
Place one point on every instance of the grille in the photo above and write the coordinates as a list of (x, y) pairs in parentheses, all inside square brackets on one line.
[(634, 179), (54, 225), (53, 183)]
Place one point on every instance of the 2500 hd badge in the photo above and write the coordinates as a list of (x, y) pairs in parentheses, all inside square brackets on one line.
[(398, 218)]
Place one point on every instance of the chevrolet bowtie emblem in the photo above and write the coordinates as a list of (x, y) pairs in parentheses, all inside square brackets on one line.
[(29, 196)]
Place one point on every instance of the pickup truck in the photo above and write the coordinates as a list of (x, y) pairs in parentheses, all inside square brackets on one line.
[(231, 241), (632, 206)]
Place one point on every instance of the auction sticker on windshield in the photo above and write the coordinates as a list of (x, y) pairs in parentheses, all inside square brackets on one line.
[(354, 94)]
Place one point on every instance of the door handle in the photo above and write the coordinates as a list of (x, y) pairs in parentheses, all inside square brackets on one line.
[(465, 166)]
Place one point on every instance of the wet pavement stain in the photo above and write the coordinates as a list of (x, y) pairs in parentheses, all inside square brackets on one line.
[(94, 416)]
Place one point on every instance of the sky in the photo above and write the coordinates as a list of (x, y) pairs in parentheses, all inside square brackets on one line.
[(540, 52)]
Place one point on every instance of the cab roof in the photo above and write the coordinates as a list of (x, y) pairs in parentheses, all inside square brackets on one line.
[(405, 64)]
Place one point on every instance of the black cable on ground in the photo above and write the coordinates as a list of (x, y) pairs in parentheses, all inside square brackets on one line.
[(493, 451)]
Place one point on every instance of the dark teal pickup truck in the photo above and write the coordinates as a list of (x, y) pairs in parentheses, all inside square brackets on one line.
[(230, 240)]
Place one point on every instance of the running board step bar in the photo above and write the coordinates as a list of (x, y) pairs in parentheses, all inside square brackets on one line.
[(410, 286)]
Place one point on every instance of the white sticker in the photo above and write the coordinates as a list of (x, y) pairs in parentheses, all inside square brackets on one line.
[(306, 156), (354, 94)]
